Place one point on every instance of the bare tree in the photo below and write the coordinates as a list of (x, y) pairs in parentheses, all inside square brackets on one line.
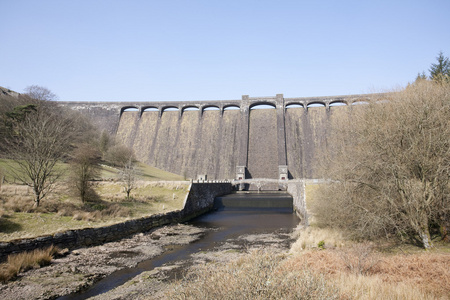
[(83, 168), (119, 155), (41, 139), (390, 166), (40, 93), (128, 176)]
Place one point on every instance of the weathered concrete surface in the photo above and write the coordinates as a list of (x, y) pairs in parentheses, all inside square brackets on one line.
[(215, 142), (296, 188), (262, 146)]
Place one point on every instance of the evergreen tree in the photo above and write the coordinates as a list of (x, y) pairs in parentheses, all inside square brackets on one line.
[(441, 70)]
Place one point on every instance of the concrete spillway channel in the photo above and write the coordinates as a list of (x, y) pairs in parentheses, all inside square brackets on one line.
[(236, 222)]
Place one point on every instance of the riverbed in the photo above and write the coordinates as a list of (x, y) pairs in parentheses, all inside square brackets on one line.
[(141, 266)]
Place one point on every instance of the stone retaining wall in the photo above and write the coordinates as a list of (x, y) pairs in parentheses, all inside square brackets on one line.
[(297, 190), (199, 200)]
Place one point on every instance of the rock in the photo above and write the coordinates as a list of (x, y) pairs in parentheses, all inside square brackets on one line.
[(62, 253)]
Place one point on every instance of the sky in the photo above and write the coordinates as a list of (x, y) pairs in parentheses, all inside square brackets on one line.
[(96, 50)]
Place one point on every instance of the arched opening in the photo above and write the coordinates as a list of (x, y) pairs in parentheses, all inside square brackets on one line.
[(190, 108), (151, 109), (211, 108), (337, 103), (316, 104), (294, 105), (263, 106), (130, 108), (231, 107), (170, 108), (360, 103)]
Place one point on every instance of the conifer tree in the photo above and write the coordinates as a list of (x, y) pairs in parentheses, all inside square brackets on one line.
[(440, 71)]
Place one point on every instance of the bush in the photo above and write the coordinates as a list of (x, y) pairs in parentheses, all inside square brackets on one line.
[(389, 165)]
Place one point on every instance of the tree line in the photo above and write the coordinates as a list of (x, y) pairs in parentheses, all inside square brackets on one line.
[(37, 135)]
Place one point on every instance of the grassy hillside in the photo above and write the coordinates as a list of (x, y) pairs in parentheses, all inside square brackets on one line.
[(156, 191)]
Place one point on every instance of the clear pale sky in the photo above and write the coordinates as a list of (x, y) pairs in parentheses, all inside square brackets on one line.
[(213, 50)]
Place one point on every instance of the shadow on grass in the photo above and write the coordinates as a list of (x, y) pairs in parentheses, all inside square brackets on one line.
[(7, 226)]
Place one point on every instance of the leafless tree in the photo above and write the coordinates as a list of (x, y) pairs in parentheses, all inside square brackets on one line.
[(40, 140), (128, 176), (119, 155), (83, 168), (40, 93), (389, 165)]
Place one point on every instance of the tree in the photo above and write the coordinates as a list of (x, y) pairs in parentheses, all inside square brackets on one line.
[(390, 166), (421, 76), (440, 71), (119, 155), (40, 93), (128, 176), (84, 168), (105, 142), (40, 139)]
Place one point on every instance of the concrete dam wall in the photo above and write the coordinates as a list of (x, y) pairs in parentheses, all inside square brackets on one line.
[(227, 139)]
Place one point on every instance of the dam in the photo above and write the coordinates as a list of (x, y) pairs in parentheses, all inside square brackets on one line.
[(228, 139)]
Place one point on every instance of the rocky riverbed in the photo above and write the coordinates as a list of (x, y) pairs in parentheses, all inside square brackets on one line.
[(154, 284), (81, 268)]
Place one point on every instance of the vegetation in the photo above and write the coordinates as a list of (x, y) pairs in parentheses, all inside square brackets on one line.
[(363, 271), (40, 93), (439, 71), (38, 134), (389, 168), (40, 141), (22, 262), (63, 210), (258, 275), (128, 176), (84, 167)]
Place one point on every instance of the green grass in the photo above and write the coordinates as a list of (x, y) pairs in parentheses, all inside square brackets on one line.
[(144, 172), (27, 225)]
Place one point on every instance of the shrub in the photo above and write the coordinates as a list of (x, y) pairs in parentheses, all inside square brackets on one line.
[(389, 167), (360, 258), (321, 244)]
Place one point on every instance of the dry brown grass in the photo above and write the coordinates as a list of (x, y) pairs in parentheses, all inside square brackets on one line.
[(25, 261), (62, 210), (258, 275), (18, 198), (399, 276), (309, 238)]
